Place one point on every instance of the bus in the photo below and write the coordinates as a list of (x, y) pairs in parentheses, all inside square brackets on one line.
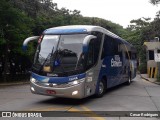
[(78, 61)]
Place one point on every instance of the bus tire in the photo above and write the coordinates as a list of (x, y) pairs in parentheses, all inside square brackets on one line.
[(129, 80), (101, 89)]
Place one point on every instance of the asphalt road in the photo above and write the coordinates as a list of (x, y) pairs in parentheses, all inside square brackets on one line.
[(141, 95)]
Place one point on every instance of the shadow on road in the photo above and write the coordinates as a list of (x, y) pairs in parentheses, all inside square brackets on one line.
[(65, 101)]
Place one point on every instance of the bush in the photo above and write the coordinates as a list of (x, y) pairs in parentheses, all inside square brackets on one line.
[(142, 68), (158, 78)]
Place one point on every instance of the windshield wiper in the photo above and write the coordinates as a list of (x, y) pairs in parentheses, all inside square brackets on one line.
[(49, 56), (44, 62)]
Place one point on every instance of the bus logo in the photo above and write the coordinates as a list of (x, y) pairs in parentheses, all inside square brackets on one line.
[(116, 61)]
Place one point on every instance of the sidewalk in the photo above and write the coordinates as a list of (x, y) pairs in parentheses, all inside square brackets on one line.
[(12, 84), (153, 80)]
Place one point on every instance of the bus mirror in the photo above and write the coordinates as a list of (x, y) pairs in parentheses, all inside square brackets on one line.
[(86, 41), (27, 40)]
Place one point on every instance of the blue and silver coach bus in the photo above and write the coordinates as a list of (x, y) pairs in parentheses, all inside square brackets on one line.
[(80, 61)]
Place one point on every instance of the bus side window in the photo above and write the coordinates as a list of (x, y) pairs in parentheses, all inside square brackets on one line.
[(110, 47)]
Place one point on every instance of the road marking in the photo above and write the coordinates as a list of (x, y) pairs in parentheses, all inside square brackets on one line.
[(89, 113), (49, 109), (93, 114), (73, 109)]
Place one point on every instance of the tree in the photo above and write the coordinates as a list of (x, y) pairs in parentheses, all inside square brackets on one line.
[(14, 26), (139, 32), (155, 2)]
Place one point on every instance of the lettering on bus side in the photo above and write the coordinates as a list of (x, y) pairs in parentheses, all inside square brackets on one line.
[(73, 78), (116, 61)]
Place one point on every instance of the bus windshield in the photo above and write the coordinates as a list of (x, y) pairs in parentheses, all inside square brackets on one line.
[(59, 55)]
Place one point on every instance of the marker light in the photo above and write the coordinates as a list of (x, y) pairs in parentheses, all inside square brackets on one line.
[(89, 79), (75, 92), (40, 39)]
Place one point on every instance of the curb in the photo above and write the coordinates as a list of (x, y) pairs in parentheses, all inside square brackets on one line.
[(158, 83), (12, 84)]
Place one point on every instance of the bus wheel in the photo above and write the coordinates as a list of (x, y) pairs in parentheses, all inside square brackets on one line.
[(101, 89), (129, 80)]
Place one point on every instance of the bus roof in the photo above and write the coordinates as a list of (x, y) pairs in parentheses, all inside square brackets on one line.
[(75, 29)]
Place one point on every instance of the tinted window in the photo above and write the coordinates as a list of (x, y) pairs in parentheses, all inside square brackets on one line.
[(111, 47)]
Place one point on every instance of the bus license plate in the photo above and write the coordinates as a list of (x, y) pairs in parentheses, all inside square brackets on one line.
[(50, 92)]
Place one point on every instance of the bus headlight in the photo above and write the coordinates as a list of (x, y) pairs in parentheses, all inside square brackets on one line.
[(75, 82), (33, 80)]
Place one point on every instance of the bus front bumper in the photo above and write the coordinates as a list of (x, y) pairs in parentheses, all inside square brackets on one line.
[(74, 91)]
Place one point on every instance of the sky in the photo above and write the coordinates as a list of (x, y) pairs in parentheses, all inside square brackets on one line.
[(117, 11)]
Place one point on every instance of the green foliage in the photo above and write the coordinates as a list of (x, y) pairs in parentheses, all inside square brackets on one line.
[(138, 32), (15, 26), (154, 2), (143, 30), (143, 68)]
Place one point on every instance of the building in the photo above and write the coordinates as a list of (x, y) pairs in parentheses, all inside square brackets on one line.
[(153, 57)]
